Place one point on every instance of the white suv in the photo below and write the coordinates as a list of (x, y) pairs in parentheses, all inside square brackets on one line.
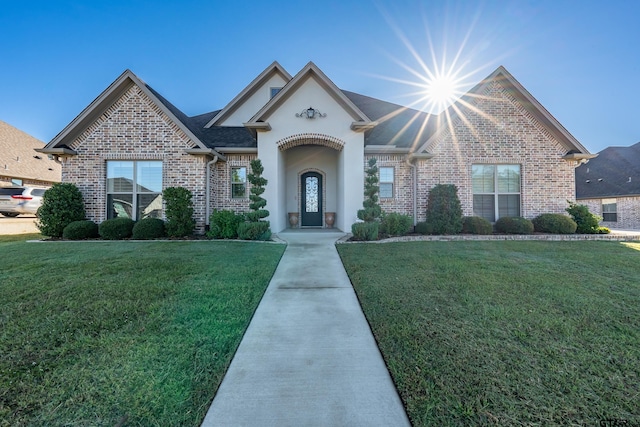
[(20, 200)]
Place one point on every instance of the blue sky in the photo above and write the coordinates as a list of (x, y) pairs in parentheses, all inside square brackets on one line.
[(580, 59)]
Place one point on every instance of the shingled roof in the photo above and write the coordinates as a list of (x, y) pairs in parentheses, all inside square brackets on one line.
[(614, 173), (19, 160)]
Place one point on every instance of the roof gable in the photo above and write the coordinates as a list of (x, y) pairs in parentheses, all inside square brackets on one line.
[(250, 94), (107, 98), (575, 150), (310, 71)]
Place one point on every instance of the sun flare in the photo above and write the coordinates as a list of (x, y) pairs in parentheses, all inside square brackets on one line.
[(441, 90)]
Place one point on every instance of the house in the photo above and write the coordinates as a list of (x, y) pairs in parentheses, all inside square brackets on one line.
[(610, 186), (505, 152), (20, 164)]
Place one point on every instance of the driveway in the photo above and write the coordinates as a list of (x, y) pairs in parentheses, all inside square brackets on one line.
[(21, 224)]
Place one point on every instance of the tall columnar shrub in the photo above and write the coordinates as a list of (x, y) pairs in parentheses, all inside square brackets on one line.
[(444, 211), (587, 223), (372, 209), (62, 204), (258, 182), (178, 211), (255, 228)]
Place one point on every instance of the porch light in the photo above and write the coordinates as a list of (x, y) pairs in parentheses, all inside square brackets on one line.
[(311, 113)]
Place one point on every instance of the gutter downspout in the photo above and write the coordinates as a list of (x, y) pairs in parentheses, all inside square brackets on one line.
[(208, 195), (414, 176)]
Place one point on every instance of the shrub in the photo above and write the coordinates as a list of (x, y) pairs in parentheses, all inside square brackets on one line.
[(603, 230), (372, 209), (444, 211), (80, 230), (223, 224), (476, 225), (256, 230), (587, 222), (179, 211), (257, 188), (395, 224), (149, 228), (62, 204), (424, 228), (514, 225), (365, 231), (116, 228), (554, 223)]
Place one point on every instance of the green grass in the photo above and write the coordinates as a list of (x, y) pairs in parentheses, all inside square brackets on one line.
[(506, 333), (122, 333)]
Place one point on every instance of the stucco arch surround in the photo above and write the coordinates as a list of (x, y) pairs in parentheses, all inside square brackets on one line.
[(311, 153)]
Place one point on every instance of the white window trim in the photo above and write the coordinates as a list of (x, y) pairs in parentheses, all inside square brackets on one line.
[(134, 192), (496, 193), (392, 182), (244, 196)]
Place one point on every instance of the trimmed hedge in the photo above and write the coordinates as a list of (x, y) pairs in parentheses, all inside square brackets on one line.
[(80, 230), (116, 228), (395, 224), (587, 222), (149, 228), (444, 211), (514, 225), (554, 223), (365, 230), (424, 228), (62, 204), (223, 224), (179, 211), (476, 225), (257, 230)]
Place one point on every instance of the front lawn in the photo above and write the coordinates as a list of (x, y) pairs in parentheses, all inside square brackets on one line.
[(122, 333), (508, 332)]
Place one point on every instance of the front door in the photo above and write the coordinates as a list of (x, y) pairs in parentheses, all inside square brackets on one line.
[(311, 200)]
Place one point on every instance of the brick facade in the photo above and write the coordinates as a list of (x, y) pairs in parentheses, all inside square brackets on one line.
[(221, 183), (503, 133), (628, 217), (134, 128)]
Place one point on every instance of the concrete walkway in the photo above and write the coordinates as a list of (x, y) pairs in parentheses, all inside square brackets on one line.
[(308, 357)]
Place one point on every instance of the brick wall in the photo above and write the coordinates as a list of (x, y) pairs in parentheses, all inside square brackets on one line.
[(505, 133), (133, 128), (221, 183), (628, 212), (402, 200)]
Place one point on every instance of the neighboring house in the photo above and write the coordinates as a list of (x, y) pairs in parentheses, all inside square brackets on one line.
[(505, 152), (610, 186), (20, 164)]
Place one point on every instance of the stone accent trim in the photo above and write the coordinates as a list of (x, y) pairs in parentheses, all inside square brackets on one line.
[(310, 139)]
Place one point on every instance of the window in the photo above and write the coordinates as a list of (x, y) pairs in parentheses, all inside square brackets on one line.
[(134, 189), (386, 183), (16, 181), (609, 210), (238, 182), (274, 91), (496, 191)]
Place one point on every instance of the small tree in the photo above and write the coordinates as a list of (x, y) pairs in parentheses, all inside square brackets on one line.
[(372, 209), (179, 211), (62, 204), (257, 188), (444, 212)]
